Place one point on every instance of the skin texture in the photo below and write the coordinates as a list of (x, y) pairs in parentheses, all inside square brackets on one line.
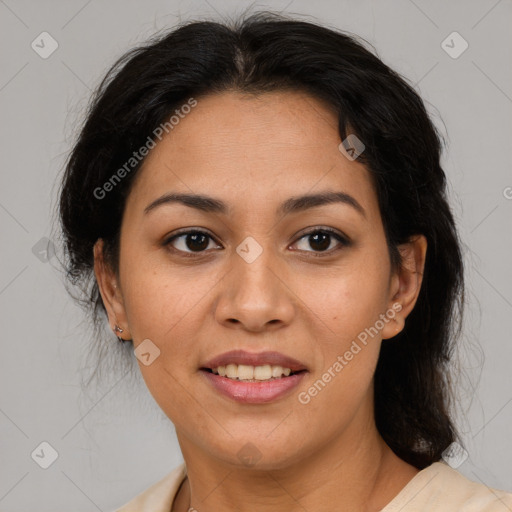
[(253, 153)]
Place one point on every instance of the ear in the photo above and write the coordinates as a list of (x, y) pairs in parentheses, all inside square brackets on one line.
[(110, 291), (406, 283)]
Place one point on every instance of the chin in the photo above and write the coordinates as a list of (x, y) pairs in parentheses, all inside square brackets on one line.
[(259, 453)]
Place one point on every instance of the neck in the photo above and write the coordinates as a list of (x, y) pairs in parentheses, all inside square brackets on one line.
[(356, 471)]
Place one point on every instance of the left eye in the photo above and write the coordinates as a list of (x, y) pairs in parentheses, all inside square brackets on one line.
[(320, 240)]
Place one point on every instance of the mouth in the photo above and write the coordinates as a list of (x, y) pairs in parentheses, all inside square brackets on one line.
[(253, 378)]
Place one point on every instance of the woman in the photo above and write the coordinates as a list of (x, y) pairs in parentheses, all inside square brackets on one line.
[(264, 215)]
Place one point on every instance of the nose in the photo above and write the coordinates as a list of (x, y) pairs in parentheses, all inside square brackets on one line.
[(255, 295)]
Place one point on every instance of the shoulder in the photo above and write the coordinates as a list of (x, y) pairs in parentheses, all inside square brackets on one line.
[(160, 496), (441, 488)]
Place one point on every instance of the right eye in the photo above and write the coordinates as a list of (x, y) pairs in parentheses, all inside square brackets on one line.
[(190, 242)]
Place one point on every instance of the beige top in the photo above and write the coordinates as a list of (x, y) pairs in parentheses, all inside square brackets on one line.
[(438, 488)]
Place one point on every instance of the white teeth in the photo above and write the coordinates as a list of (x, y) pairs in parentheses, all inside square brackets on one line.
[(276, 371), (247, 372), (231, 371), (263, 372)]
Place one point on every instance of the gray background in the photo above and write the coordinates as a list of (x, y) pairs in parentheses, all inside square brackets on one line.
[(112, 440)]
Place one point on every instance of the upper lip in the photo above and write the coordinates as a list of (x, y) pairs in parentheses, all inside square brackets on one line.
[(254, 359)]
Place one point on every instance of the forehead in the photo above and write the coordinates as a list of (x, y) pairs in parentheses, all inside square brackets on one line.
[(260, 149)]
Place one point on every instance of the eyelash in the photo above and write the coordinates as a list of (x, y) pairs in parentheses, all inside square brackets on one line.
[(344, 241)]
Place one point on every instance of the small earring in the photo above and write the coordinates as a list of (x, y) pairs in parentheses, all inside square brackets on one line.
[(118, 329)]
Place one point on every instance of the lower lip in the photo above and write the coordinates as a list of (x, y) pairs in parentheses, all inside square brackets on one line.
[(254, 392)]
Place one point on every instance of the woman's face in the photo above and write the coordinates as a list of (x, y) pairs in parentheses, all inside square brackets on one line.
[(265, 275)]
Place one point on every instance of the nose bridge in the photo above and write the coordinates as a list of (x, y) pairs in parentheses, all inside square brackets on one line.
[(252, 265)]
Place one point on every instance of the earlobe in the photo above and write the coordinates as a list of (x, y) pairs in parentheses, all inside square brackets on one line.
[(406, 282)]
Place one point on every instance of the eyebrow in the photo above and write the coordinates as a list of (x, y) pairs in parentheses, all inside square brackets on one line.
[(293, 205)]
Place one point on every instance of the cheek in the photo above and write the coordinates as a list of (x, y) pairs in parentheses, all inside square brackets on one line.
[(350, 297), (347, 309), (164, 309), (166, 305), (158, 296)]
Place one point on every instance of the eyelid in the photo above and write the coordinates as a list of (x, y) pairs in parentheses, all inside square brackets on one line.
[(186, 231), (315, 229)]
